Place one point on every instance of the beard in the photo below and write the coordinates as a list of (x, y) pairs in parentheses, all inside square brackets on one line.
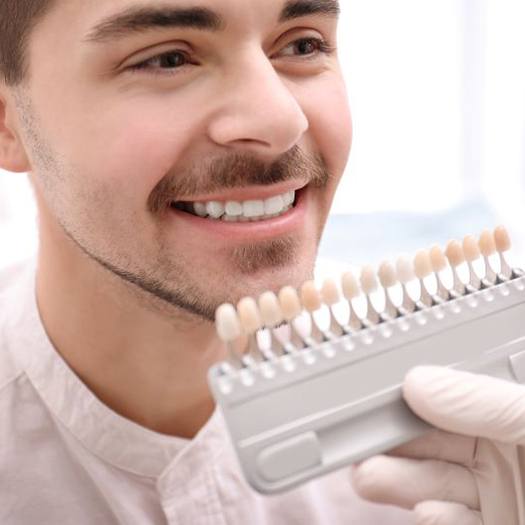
[(167, 283)]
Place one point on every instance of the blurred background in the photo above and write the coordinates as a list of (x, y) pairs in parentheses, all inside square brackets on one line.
[(437, 90)]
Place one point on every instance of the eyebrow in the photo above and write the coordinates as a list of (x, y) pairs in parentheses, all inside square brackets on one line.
[(143, 18)]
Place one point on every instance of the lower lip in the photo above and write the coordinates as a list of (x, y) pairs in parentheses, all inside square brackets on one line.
[(288, 222)]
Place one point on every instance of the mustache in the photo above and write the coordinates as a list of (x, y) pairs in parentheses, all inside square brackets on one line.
[(238, 170)]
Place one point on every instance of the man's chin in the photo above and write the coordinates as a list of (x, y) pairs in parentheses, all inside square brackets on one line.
[(266, 257), (269, 269)]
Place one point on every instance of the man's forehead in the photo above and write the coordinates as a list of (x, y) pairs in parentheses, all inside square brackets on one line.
[(207, 15)]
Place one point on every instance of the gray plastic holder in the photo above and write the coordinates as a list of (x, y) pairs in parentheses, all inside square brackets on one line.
[(306, 414)]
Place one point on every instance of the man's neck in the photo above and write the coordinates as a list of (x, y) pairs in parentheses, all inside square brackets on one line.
[(146, 367)]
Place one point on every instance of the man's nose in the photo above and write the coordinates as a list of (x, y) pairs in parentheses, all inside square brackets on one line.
[(257, 111)]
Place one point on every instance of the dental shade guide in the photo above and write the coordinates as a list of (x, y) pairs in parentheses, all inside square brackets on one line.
[(329, 395)]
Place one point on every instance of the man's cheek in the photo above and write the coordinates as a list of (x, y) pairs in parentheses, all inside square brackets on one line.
[(135, 158), (330, 125)]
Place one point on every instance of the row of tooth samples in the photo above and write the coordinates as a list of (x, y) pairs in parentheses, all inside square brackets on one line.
[(288, 319)]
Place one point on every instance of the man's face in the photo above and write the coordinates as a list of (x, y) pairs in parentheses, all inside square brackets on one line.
[(136, 110)]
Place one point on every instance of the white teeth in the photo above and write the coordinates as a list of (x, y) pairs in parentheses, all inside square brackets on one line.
[(253, 208), (200, 209), (289, 197), (233, 208), (215, 209), (273, 205)]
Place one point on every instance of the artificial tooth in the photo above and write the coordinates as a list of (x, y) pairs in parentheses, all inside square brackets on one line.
[(330, 292), (388, 279), (405, 274), (387, 274), (215, 209), (331, 297), (291, 309), (369, 283), (487, 247), (312, 302), (456, 257), (249, 315), (438, 262), (472, 253), (290, 303), (502, 240), (349, 286), (310, 297), (270, 309), (422, 269), (227, 323), (229, 329), (350, 289)]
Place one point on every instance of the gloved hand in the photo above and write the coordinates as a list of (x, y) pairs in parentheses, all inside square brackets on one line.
[(472, 470)]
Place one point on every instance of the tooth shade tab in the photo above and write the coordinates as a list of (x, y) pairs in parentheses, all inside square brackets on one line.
[(249, 315), (349, 286), (404, 269), (454, 253), (487, 245), (470, 248), (310, 296), (502, 239), (387, 274), (368, 279), (329, 292), (270, 309), (422, 264), (227, 323), (437, 258), (290, 303)]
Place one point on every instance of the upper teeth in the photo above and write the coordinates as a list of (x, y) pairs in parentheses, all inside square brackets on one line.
[(250, 209)]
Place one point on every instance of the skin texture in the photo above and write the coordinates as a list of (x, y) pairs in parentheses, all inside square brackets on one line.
[(126, 293)]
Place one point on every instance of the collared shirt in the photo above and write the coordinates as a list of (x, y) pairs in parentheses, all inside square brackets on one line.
[(66, 458)]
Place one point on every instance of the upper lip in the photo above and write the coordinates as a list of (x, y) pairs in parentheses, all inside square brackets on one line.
[(249, 193)]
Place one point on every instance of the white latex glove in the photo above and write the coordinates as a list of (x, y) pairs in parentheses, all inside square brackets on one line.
[(472, 472)]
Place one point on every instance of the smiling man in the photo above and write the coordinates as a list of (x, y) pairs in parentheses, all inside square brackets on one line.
[(182, 154)]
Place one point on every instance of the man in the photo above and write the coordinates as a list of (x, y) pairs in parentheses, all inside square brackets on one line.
[(140, 123)]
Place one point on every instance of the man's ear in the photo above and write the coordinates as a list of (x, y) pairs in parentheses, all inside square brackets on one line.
[(12, 152)]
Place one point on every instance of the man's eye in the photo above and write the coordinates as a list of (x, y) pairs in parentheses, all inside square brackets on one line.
[(166, 62), (172, 61), (308, 47)]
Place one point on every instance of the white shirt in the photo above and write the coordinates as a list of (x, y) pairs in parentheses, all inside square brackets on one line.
[(66, 458)]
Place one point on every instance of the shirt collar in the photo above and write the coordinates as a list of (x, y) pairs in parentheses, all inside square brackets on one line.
[(105, 433)]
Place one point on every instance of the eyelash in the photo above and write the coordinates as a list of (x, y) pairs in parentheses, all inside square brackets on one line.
[(322, 47)]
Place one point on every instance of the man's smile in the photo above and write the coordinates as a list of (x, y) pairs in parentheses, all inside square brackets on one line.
[(242, 220), (244, 204)]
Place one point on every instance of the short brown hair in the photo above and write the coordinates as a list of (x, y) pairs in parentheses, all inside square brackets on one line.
[(17, 20)]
